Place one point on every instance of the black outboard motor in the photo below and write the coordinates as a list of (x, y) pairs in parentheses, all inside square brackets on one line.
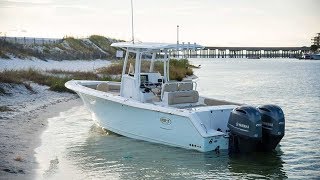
[(245, 129), (273, 124)]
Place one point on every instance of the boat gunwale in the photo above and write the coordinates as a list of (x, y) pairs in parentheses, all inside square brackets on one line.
[(74, 85), (190, 114)]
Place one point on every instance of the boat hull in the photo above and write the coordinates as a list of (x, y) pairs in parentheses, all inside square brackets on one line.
[(315, 56), (150, 125)]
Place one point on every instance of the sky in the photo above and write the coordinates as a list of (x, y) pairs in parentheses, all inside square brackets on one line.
[(207, 22)]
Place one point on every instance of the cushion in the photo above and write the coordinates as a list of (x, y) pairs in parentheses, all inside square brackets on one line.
[(185, 86), (170, 87)]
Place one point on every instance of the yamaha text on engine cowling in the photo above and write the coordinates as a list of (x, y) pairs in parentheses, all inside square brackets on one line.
[(245, 129), (255, 129)]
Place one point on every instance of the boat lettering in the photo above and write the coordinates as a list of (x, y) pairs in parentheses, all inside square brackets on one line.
[(242, 125), (165, 121), (267, 124)]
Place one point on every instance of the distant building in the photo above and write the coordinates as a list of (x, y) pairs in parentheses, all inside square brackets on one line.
[(316, 40)]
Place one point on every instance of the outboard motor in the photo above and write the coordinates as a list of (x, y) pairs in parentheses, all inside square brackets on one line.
[(273, 124), (245, 129)]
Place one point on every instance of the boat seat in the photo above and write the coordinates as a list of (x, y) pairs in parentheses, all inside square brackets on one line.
[(181, 97), (187, 86), (105, 87), (170, 87), (179, 93)]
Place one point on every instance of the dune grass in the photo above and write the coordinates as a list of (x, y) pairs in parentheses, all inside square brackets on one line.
[(55, 79), (78, 45), (17, 50), (178, 68), (69, 48), (104, 44), (5, 108), (3, 55)]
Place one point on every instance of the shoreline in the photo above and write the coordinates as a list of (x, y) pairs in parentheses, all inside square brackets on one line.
[(25, 109), (21, 131)]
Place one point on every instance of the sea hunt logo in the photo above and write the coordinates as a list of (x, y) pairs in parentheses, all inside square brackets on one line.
[(267, 124), (242, 125), (165, 121)]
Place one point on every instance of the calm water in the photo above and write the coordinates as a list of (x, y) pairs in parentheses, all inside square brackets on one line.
[(74, 147)]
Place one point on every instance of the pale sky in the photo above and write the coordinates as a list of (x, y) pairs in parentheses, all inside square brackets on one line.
[(207, 22)]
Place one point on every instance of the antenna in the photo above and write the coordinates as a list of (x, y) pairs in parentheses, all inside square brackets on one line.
[(178, 41), (132, 22), (177, 34)]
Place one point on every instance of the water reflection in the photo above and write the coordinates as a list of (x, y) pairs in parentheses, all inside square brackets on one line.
[(258, 165), (105, 154)]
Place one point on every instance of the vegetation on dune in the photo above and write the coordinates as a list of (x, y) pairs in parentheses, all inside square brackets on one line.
[(77, 44), (55, 79), (17, 50), (114, 69), (178, 68), (68, 48), (22, 76), (71, 48), (2, 55), (5, 108), (104, 44)]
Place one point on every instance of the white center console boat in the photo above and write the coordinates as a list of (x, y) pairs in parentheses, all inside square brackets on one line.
[(148, 106)]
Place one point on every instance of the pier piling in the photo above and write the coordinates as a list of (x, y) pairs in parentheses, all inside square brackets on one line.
[(247, 52)]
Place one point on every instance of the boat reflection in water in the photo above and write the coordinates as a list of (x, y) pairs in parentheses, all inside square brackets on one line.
[(311, 56), (108, 155), (258, 165)]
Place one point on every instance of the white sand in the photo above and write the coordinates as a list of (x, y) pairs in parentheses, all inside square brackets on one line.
[(21, 127)]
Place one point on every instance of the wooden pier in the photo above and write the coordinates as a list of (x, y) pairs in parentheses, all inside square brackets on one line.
[(245, 52)]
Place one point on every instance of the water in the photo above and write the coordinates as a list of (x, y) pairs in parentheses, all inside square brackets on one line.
[(73, 147)]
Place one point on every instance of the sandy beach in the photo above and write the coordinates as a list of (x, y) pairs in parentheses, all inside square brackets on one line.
[(24, 112), (20, 135)]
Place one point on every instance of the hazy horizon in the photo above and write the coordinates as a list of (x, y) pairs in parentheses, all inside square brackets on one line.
[(207, 22)]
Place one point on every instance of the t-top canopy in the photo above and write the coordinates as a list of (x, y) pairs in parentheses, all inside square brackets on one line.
[(151, 46)]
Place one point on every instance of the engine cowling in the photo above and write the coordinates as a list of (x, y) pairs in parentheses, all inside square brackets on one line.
[(245, 129), (273, 126)]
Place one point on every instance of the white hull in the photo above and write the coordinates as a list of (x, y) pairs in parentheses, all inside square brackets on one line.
[(148, 106), (315, 56), (190, 128)]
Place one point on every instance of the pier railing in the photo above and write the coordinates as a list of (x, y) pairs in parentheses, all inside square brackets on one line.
[(245, 52), (30, 40)]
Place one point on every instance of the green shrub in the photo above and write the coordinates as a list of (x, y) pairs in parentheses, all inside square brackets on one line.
[(3, 55), (104, 44), (57, 84), (178, 68), (55, 79), (5, 108)]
